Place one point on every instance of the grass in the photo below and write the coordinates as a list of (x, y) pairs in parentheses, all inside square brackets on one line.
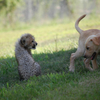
[(56, 43)]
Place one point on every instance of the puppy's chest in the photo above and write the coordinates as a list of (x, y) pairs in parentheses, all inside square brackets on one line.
[(24, 57)]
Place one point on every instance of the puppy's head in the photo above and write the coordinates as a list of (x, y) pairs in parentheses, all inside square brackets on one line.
[(92, 47), (28, 41)]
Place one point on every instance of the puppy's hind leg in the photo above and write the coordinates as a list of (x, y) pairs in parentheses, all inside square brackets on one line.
[(20, 75), (37, 69), (75, 55)]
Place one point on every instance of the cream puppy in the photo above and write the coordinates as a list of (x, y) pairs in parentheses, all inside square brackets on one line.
[(88, 47), (92, 48), (27, 67)]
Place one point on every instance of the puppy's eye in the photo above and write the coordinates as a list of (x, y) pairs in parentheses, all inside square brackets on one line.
[(32, 41), (87, 48)]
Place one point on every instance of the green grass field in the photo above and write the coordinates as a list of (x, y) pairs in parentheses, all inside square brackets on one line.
[(56, 42)]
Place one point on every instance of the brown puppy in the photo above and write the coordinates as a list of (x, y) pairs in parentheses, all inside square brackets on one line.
[(26, 65), (88, 39), (92, 48)]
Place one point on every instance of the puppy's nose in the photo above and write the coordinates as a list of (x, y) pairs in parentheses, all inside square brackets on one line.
[(84, 56), (36, 43)]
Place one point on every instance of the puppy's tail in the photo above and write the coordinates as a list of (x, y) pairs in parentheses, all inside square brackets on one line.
[(77, 22)]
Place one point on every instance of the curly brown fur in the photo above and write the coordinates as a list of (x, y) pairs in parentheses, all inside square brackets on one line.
[(27, 67)]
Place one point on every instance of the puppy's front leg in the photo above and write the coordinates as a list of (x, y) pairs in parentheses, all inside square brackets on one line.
[(75, 55), (87, 64), (94, 63)]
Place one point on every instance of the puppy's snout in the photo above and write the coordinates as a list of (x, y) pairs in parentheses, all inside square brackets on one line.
[(84, 56), (33, 46), (36, 43)]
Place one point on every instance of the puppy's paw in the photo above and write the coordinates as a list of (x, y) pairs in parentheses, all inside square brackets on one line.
[(71, 69), (90, 69), (95, 67)]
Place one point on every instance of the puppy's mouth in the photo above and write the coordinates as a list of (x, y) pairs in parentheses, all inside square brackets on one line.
[(93, 55), (34, 46)]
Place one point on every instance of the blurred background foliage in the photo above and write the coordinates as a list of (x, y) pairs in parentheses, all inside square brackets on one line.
[(15, 12)]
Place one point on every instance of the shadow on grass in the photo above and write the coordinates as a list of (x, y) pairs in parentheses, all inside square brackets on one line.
[(55, 62)]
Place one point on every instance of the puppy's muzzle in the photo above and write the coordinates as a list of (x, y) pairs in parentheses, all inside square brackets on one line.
[(92, 57), (36, 43), (34, 46), (84, 56)]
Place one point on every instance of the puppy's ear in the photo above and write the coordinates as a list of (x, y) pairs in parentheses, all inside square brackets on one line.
[(96, 40), (22, 41)]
